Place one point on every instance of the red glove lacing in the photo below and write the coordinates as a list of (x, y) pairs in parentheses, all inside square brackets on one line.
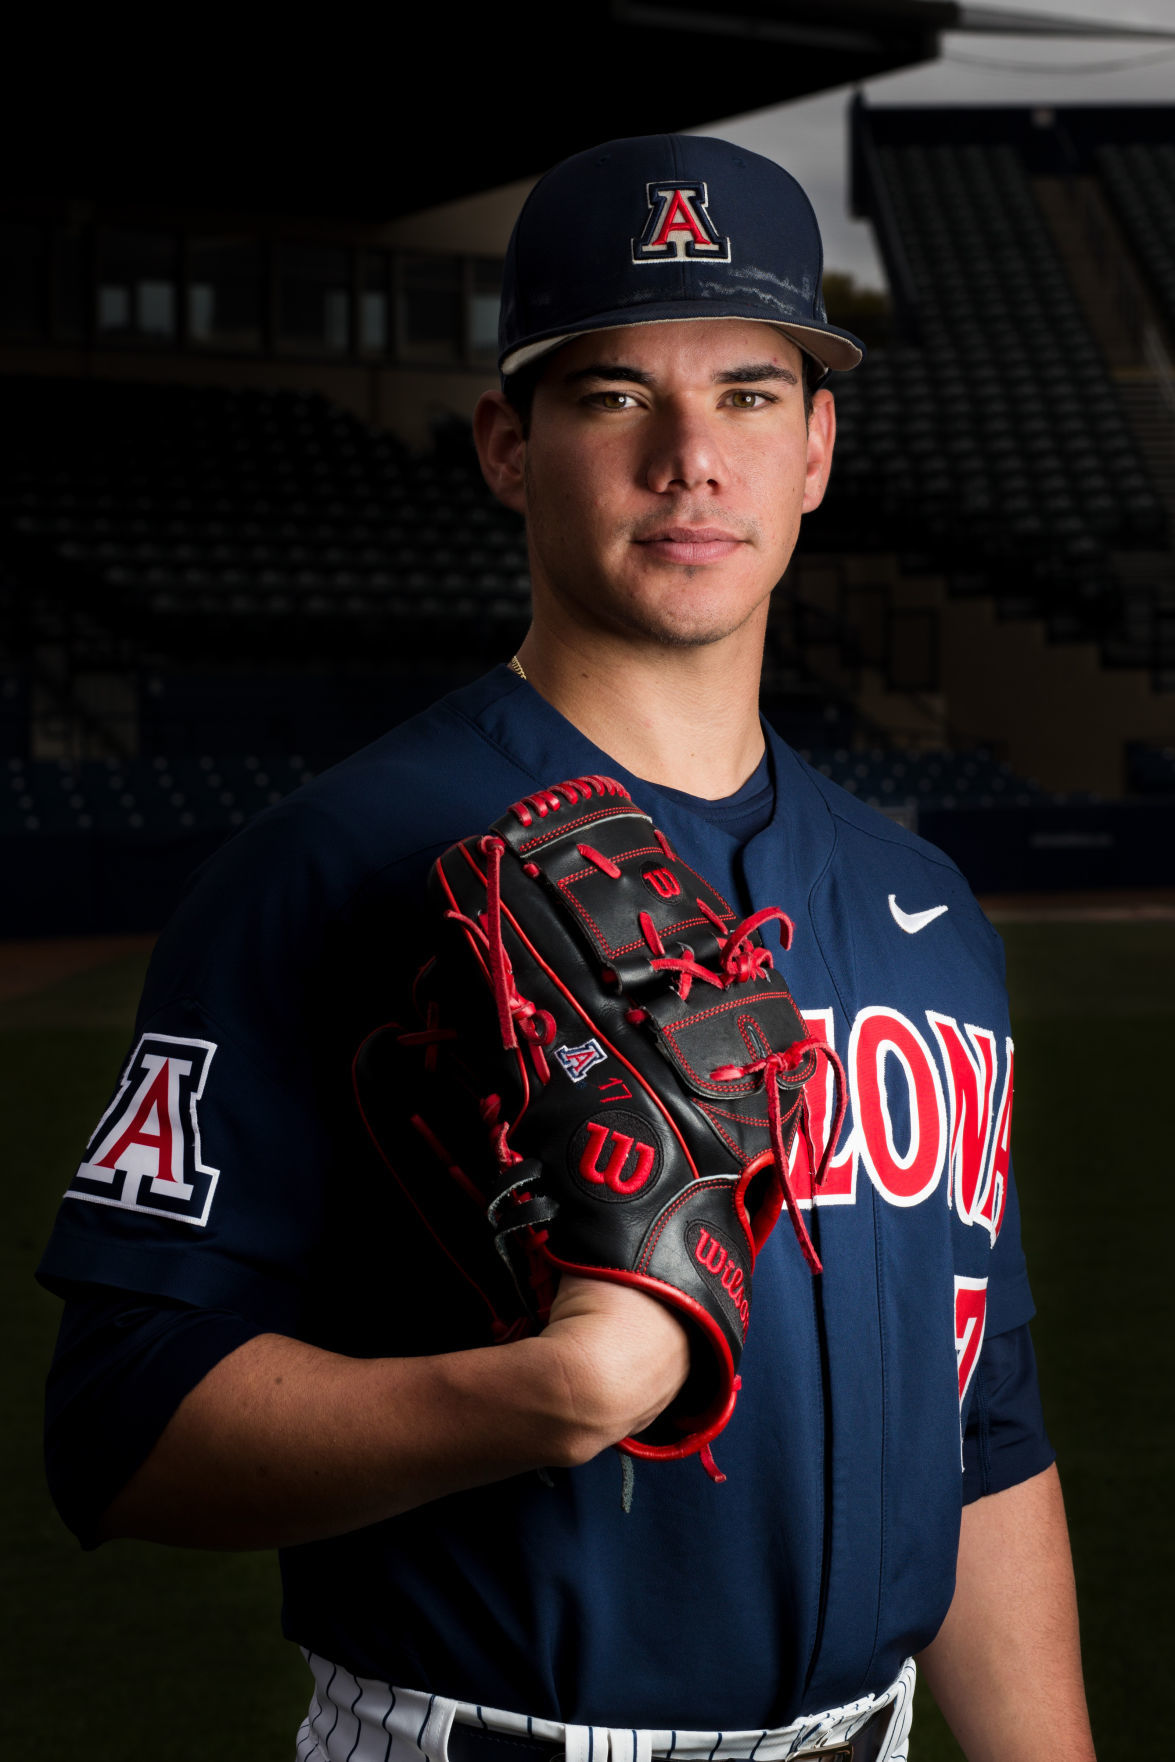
[(771, 1068), (739, 964), (549, 801), (516, 1014)]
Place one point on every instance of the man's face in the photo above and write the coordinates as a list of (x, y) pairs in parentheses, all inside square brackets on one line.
[(664, 476)]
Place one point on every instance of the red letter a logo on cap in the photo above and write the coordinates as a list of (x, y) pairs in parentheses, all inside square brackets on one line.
[(679, 217), (679, 226)]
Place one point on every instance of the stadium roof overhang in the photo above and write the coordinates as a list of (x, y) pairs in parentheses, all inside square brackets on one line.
[(1006, 21), (454, 104)]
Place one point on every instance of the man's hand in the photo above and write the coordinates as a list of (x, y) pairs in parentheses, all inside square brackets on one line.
[(284, 1443)]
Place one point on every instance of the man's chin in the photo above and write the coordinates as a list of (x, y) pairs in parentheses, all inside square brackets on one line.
[(677, 632), (692, 610)]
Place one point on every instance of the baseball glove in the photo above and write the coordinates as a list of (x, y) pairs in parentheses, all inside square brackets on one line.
[(612, 1074)]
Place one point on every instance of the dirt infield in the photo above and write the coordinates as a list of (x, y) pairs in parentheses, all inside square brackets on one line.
[(29, 966), (1111, 905), (33, 964)]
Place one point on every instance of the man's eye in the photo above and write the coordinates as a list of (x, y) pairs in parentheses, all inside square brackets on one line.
[(740, 400), (614, 400)]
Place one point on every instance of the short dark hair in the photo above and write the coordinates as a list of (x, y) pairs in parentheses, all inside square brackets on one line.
[(520, 387)]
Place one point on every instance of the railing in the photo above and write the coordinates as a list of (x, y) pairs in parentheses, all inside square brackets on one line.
[(1110, 262), (1107, 263), (1154, 353), (870, 193)]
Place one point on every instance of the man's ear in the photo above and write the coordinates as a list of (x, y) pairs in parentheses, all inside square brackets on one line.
[(501, 448), (821, 439)]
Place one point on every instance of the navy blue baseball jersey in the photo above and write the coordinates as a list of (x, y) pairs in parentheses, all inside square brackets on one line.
[(229, 1179)]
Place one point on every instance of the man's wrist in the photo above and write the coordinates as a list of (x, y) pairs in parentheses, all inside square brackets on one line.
[(542, 1397)]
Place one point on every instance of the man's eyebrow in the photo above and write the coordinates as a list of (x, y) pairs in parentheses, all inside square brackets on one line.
[(602, 370), (755, 371), (750, 373)]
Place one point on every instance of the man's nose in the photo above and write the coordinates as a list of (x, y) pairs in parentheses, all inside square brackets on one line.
[(684, 452)]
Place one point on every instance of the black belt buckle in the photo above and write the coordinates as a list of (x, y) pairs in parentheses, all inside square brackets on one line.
[(869, 1743), (475, 1743)]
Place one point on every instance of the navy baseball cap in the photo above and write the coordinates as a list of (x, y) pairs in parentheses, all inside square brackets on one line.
[(658, 228)]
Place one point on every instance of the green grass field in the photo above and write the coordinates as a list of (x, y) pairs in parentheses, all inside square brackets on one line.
[(138, 1654)]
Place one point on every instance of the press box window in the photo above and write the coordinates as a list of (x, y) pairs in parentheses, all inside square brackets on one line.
[(314, 297), (136, 292), (224, 293), (374, 303), (485, 299)]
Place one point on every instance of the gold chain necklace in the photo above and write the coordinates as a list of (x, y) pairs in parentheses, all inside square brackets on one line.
[(515, 666)]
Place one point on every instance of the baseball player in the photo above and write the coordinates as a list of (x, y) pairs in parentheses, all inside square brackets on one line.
[(262, 1347)]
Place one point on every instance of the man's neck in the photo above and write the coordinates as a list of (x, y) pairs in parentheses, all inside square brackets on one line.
[(687, 718)]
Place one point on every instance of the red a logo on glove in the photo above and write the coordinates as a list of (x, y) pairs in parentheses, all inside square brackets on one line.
[(613, 1176)]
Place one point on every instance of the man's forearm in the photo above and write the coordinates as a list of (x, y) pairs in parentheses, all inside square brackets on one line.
[(283, 1443), (1005, 1667)]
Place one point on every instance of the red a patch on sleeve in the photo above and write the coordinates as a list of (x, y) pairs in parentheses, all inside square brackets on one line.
[(145, 1154)]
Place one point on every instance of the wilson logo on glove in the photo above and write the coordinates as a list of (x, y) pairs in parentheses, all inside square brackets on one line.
[(663, 882), (628, 1162), (573, 925), (720, 1260)]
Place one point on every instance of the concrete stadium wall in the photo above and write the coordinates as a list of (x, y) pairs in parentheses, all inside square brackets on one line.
[(1062, 717), (1050, 708)]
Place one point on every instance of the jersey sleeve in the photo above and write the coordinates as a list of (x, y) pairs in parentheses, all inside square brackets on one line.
[(205, 1180), (122, 1366), (1005, 1441), (1009, 1302)]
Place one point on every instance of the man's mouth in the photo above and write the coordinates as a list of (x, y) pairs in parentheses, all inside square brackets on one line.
[(690, 544)]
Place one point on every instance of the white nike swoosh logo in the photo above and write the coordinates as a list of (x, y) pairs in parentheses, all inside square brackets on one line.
[(912, 922)]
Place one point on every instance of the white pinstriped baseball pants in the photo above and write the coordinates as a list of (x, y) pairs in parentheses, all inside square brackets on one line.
[(356, 1719)]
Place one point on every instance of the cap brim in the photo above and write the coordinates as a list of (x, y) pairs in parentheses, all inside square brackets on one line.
[(830, 348)]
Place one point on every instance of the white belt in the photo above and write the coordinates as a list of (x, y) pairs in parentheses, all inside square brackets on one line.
[(357, 1719)]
